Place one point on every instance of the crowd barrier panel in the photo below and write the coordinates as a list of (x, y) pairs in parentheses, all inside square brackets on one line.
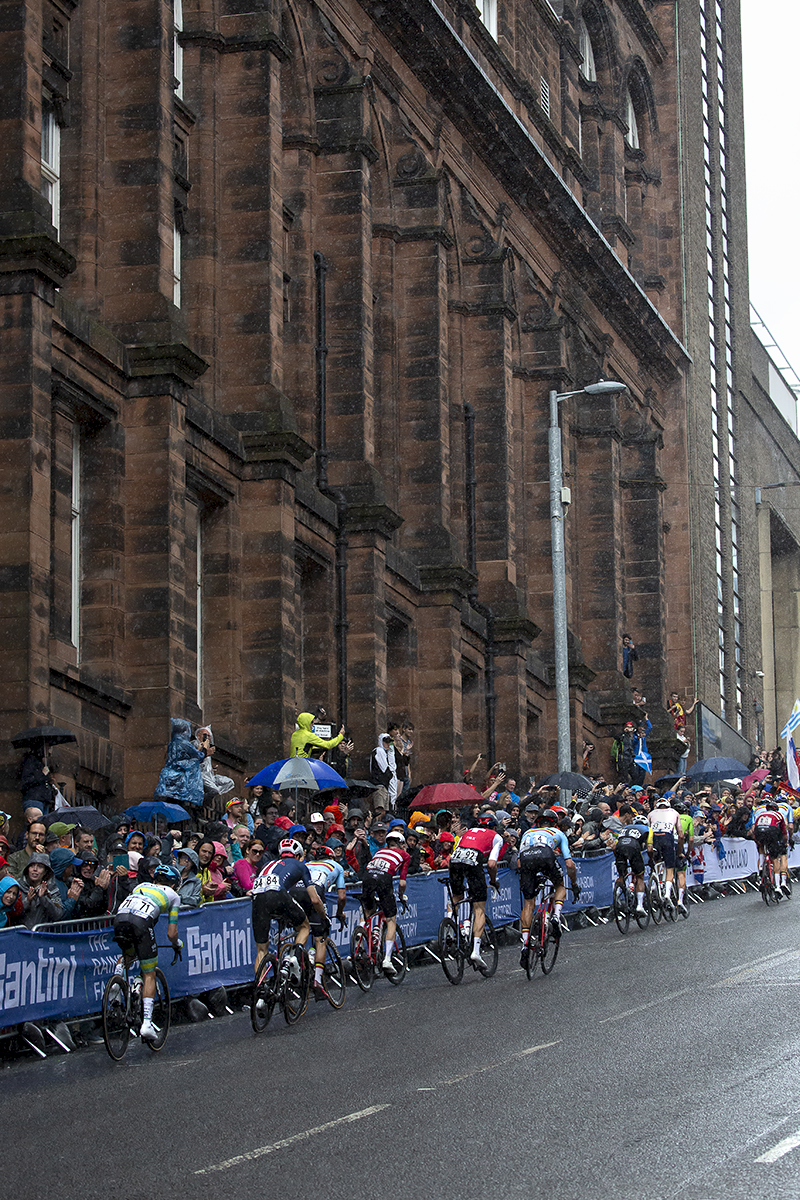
[(60, 970)]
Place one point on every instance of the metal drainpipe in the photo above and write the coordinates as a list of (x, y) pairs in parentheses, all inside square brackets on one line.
[(472, 561), (341, 625), (321, 352)]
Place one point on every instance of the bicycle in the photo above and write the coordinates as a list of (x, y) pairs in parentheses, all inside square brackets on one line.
[(542, 945), (455, 941), (624, 905), (122, 1007), (277, 984), (368, 950), (766, 881), (657, 892)]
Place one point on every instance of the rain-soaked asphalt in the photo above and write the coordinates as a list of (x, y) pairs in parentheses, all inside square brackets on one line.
[(661, 1064)]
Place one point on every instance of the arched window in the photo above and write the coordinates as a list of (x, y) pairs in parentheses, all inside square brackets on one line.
[(632, 136), (588, 69)]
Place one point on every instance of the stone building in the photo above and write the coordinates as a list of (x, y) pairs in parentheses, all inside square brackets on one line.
[(284, 292)]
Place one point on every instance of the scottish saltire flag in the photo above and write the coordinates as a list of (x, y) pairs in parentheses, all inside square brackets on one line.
[(792, 767), (793, 722)]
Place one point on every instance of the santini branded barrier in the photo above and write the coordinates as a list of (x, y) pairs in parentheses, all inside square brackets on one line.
[(63, 974)]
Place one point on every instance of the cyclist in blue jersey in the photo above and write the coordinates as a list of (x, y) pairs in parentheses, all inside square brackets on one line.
[(326, 874), (135, 933), (537, 859), (275, 897)]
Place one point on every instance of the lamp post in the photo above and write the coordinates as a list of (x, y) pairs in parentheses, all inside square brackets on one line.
[(558, 503)]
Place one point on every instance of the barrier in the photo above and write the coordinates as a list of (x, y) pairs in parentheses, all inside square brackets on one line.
[(61, 970)]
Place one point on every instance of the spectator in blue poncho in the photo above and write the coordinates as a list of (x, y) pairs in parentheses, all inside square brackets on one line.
[(181, 778)]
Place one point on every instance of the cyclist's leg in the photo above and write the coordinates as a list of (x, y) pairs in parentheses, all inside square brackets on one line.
[(262, 922), (147, 952), (388, 906)]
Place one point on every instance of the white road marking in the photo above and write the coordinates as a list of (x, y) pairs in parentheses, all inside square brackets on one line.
[(754, 962), (651, 1004), (383, 1008), (291, 1141), (535, 1049), (774, 960), (784, 1147)]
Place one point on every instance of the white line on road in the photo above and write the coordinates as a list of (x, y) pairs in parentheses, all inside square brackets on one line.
[(382, 1008), (788, 1144), (290, 1141), (651, 1004), (534, 1049)]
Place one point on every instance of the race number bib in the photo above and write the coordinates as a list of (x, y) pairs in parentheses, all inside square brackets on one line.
[(139, 906), (465, 855), (266, 883)]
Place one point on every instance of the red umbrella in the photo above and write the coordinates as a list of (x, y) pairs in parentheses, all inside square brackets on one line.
[(440, 795), (754, 777)]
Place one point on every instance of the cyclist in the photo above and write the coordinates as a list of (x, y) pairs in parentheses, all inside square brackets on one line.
[(770, 834), (275, 896), (326, 874), (685, 856), (537, 859), (393, 859), (479, 846), (666, 836), (630, 847), (135, 933), (787, 812)]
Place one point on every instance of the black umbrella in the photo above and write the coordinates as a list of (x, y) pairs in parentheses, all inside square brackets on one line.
[(88, 816), (361, 785), (42, 735), (711, 770), (666, 780), (568, 780)]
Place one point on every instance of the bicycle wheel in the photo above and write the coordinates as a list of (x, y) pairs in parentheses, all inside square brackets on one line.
[(360, 959), (532, 948), (787, 883), (294, 991), (450, 952), (550, 947), (619, 903), (334, 975), (642, 915), (116, 1030), (765, 885), (489, 949), (399, 956), (265, 993), (672, 908), (687, 904), (161, 1012), (654, 899)]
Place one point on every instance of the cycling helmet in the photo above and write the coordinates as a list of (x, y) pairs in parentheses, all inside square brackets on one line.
[(290, 847), (168, 874), (487, 821), (394, 835), (559, 810), (549, 817), (324, 851)]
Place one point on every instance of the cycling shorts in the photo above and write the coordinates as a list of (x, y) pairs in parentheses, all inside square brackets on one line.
[(629, 851), (275, 906), (666, 848), (768, 838), (472, 876), (380, 885), (535, 864), (320, 926), (137, 935)]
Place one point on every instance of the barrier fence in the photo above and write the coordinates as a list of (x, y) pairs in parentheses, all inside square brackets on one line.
[(61, 970)]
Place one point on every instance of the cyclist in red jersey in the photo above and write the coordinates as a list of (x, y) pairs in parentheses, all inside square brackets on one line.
[(379, 875), (478, 847), (770, 832)]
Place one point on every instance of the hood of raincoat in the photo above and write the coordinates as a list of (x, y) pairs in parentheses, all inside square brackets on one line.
[(44, 859)]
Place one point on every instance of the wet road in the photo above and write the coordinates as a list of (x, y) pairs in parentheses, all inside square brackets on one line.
[(656, 1065)]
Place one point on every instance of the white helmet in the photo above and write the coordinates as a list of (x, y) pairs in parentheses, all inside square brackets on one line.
[(394, 835)]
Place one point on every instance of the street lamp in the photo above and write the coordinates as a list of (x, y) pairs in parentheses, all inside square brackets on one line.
[(557, 509)]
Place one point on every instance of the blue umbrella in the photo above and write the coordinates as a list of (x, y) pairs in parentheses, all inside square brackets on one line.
[(311, 773), (711, 770), (148, 810)]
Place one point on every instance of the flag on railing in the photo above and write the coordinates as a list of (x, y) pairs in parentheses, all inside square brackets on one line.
[(793, 722), (792, 765)]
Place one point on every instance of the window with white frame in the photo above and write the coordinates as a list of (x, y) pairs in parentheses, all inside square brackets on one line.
[(488, 13), (177, 48), (632, 136), (177, 239), (588, 67), (51, 163), (544, 95)]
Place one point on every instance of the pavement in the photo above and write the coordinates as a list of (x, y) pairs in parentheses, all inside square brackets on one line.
[(655, 1065)]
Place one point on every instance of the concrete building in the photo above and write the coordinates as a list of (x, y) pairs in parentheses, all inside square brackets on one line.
[(284, 293)]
